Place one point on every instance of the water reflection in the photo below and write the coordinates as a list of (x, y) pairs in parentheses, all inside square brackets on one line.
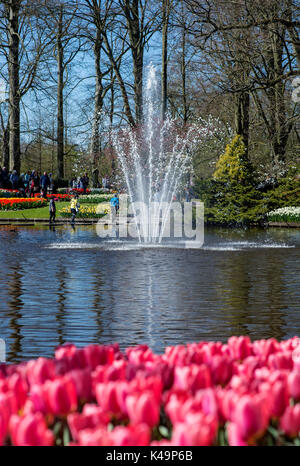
[(241, 282), (15, 305), (62, 278)]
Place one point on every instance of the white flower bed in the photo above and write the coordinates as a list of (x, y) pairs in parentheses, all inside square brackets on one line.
[(284, 214), (95, 198)]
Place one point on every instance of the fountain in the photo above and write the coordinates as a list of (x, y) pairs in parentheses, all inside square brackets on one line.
[(155, 160)]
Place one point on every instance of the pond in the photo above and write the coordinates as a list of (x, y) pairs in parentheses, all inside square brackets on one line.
[(67, 285)]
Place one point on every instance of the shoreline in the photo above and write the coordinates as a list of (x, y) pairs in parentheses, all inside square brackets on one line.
[(92, 221)]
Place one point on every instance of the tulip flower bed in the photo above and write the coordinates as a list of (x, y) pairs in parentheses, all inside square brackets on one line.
[(81, 191), (86, 211), (96, 198), (58, 197), (284, 214), (7, 193), (21, 203), (207, 393)]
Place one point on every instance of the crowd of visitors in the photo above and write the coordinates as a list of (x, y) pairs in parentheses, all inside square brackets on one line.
[(32, 182), (29, 183)]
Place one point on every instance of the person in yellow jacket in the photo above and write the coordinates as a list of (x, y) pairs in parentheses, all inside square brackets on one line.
[(74, 207)]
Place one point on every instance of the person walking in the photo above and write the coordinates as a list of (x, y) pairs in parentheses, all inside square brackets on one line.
[(52, 210), (26, 182), (74, 207), (45, 182), (86, 181), (114, 205), (14, 179)]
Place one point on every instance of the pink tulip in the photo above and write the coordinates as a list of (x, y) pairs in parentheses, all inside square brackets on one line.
[(30, 430), (143, 408), (96, 355), (19, 388), (106, 395), (281, 360), (264, 348), (92, 416), (8, 406), (192, 377), (290, 421), (109, 373), (250, 417), (166, 373), (139, 354), (65, 351), (152, 384), (204, 402), (280, 399), (40, 370), (68, 357), (116, 371), (220, 368), (277, 396), (98, 437), (200, 430), (294, 384), (61, 396), (177, 355), (227, 401), (38, 399), (133, 435), (83, 383), (234, 436), (240, 347)]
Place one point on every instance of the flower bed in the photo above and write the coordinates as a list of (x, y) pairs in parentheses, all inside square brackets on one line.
[(284, 214), (7, 193), (207, 393), (72, 190), (80, 191), (87, 211), (96, 198), (59, 197), (21, 203)]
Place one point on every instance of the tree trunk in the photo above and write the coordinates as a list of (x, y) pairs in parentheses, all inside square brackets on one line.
[(60, 103), (183, 78), (137, 50), (98, 106), (5, 147), (135, 29), (5, 142), (13, 8), (138, 64), (242, 105), (280, 128), (114, 64), (164, 68)]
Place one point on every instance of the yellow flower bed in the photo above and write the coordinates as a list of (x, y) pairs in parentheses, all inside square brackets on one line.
[(88, 211)]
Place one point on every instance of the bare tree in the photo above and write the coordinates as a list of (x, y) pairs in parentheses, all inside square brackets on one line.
[(166, 11), (62, 22), (252, 45)]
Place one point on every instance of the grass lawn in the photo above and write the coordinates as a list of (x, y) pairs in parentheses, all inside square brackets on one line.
[(42, 212)]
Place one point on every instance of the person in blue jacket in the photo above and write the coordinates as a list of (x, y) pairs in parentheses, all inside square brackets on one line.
[(14, 179), (114, 204)]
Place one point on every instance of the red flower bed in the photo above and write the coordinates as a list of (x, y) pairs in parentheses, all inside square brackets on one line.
[(207, 393), (21, 203), (80, 190), (60, 197)]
